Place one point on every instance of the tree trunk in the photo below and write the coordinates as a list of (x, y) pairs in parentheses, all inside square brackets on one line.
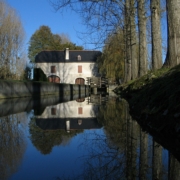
[(127, 42), (142, 38), (173, 19), (133, 39), (156, 34)]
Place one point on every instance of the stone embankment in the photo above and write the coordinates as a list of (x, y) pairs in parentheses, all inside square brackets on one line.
[(13, 89)]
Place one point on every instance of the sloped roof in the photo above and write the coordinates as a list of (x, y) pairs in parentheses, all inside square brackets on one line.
[(59, 56)]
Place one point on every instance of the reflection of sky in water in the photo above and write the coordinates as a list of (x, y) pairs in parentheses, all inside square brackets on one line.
[(62, 161), (88, 150)]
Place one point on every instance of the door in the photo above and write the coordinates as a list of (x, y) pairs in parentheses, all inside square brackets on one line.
[(79, 81), (54, 79)]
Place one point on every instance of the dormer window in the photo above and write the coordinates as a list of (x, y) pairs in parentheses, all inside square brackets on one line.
[(79, 58)]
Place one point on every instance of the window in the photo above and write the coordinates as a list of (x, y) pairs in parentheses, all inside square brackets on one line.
[(53, 69), (79, 81), (79, 58), (79, 69), (53, 111), (54, 79), (80, 110)]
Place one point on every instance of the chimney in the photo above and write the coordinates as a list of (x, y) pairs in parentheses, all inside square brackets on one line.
[(67, 54)]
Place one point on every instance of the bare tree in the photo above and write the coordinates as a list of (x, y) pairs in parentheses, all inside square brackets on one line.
[(12, 52), (103, 18)]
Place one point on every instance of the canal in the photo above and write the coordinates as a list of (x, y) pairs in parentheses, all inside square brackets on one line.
[(91, 138)]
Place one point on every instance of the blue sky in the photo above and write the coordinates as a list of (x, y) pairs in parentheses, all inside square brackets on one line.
[(35, 13)]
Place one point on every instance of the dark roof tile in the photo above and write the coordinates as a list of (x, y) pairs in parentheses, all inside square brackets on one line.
[(59, 56)]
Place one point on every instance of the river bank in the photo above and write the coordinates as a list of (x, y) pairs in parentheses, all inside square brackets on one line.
[(154, 101)]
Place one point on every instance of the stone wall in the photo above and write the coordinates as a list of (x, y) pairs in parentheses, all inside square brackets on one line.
[(11, 89)]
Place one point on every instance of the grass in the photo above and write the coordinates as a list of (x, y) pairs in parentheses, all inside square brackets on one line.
[(154, 101), (156, 94)]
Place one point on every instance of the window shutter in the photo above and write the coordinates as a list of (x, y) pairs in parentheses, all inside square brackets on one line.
[(80, 110), (79, 69)]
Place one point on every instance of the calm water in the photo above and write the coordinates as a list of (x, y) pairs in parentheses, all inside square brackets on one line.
[(80, 139)]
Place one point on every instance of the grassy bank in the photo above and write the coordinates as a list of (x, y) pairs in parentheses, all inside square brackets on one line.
[(154, 99), (155, 94)]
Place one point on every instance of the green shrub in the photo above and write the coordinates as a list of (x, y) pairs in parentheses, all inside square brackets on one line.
[(39, 75)]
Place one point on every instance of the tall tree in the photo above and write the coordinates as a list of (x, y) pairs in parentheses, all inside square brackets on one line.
[(127, 32), (133, 39), (173, 15), (12, 52), (142, 37), (111, 62), (131, 62), (156, 34), (42, 39)]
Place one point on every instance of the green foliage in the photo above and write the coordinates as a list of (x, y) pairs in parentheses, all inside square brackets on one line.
[(39, 75), (111, 62), (44, 39)]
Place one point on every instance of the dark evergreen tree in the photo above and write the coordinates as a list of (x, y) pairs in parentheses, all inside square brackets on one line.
[(43, 39)]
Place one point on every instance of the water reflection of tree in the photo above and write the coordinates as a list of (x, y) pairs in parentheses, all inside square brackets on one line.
[(12, 144), (127, 152), (45, 140), (102, 161), (122, 132)]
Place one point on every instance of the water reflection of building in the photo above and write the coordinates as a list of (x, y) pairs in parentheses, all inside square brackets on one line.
[(72, 115)]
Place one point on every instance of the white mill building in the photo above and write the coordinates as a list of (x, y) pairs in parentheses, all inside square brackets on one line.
[(69, 66)]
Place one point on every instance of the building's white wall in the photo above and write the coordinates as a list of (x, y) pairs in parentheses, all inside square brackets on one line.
[(68, 72), (70, 110)]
